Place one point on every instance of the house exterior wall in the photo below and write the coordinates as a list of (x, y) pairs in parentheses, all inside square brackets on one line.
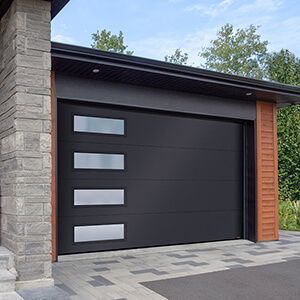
[(25, 125), (267, 172)]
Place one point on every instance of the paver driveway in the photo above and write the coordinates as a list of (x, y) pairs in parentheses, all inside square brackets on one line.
[(118, 274)]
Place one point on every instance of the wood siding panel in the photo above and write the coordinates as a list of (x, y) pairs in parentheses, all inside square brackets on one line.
[(267, 172)]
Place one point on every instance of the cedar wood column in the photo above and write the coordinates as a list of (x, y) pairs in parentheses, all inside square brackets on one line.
[(267, 171)]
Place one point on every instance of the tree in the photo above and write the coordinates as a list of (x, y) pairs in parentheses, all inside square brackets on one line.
[(107, 41), (284, 67), (178, 58), (239, 52)]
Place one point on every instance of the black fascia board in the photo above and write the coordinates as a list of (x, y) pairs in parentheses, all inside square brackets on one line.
[(290, 94)]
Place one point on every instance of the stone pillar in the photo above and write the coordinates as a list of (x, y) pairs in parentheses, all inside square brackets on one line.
[(25, 160)]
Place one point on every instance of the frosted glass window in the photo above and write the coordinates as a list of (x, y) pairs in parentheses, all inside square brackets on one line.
[(98, 161), (98, 233), (98, 125), (99, 197)]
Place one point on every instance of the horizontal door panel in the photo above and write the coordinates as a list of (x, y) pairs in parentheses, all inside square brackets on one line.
[(152, 129), (154, 163), (154, 230), (144, 197)]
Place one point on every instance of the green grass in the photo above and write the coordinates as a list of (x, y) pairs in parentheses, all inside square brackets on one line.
[(289, 215)]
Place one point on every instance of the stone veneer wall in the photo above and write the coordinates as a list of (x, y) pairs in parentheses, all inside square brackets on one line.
[(25, 160)]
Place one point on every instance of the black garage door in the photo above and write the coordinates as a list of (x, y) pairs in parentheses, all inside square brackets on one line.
[(135, 178)]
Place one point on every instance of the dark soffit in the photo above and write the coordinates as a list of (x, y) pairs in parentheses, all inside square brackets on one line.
[(80, 61), (56, 6)]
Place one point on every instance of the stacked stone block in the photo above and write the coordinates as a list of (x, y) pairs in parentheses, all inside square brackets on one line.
[(25, 139)]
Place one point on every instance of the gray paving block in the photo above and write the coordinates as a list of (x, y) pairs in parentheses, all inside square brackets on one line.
[(128, 257), (237, 260), (95, 283), (66, 289), (102, 280), (182, 256), (144, 271), (261, 246), (46, 293), (106, 262), (191, 263), (288, 242), (257, 253), (202, 250), (102, 269)]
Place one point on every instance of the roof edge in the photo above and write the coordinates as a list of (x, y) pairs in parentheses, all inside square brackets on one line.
[(95, 55), (56, 6)]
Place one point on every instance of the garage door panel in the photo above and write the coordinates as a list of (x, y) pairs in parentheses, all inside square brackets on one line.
[(149, 178), (156, 163), (153, 129), (155, 230), (164, 196)]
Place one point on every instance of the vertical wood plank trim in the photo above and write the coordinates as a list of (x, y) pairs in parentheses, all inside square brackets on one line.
[(266, 172), (258, 171), (276, 171), (53, 166)]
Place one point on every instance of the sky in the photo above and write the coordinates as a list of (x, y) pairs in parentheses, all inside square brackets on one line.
[(155, 28)]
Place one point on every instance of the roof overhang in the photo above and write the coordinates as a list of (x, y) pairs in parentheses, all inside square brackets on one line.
[(81, 61), (56, 6)]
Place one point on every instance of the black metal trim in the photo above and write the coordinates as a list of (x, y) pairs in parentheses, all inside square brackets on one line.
[(250, 220), (55, 116), (154, 110)]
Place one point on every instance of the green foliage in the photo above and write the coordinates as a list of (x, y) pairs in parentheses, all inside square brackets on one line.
[(107, 41), (178, 58), (284, 67), (289, 150), (289, 215), (238, 52)]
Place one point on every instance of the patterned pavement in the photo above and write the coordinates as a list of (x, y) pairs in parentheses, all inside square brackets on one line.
[(117, 275)]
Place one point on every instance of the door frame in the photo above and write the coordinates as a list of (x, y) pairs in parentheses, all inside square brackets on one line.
[(249, 165)]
